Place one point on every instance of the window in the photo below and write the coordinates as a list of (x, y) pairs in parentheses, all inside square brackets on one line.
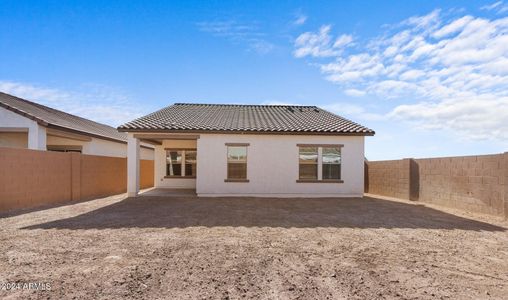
[(331, 163), (237, 162), (190, 163), (181, 163), (174, 163), (309, 163), (319, 163)]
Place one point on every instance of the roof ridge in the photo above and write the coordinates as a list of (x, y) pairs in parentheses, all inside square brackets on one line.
[(255, 105)]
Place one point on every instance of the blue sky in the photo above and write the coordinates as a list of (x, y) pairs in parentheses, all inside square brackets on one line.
[(430, 77)]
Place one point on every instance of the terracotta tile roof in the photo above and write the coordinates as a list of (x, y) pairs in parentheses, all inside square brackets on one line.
[(184, 117), (53, 118)]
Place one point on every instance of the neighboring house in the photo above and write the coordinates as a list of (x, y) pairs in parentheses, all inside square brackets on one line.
[(25, 124), (250, 150)]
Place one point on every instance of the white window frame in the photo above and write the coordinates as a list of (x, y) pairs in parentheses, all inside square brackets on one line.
[(246, 145), (320, 163), (182, 163)]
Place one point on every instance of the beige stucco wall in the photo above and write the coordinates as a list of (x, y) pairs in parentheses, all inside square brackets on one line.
[(272, 167), (160, 165), (14, 139), (99, 147)]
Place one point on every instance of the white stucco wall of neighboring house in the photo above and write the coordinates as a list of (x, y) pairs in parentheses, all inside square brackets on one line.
[(160, 165), (17, 131), (272, 166)]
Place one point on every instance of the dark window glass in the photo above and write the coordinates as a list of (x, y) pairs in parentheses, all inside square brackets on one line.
[(331, 171), (308, 162), (308, 171), (237, 171), (174, 163), (190, 163), (331, 162)]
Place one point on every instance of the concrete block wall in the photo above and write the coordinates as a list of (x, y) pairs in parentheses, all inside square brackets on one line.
[(471, 183), (389, 178), (505, 183), (31, 178)]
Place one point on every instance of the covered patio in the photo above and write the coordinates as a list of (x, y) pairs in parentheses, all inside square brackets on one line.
[(175, 162)]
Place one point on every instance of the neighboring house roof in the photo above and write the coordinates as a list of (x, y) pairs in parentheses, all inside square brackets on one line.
[(50, 117), (232, 118)]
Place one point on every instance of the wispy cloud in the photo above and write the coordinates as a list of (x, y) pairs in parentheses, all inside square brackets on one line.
[(452, 73), (499, 7), (248, 33), (354, 111), (300, 19), (321, 43), (354, 93), (92, 101)]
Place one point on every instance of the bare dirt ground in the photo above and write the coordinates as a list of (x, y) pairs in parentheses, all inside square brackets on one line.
[(206, 248)]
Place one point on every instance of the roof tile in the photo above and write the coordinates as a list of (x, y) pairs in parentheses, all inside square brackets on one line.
[(245, 118)]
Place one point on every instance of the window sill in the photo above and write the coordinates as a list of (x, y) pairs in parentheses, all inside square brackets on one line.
[(320, 181), (236, 180), (180, 177)]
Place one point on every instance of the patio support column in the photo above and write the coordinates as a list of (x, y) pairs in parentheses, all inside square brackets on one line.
[(37, 137), (132, 165)]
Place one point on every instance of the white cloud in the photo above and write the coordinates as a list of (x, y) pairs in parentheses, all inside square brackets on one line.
[(472, 118), (453, 27), (498, 7), (320, 44), (342, 41), (352, 111), (95, 102), (300, 19), (354, 93), (425, 22), (451, 73), (492, 6)]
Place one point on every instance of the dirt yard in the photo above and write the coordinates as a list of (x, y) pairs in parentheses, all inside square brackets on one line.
[(231, 248)]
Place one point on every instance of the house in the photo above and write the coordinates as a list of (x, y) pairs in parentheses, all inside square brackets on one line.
[(250, 150), (25, 124)]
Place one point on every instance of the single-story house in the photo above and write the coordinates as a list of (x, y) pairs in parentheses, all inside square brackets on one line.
[(250, 150), (29, 125)]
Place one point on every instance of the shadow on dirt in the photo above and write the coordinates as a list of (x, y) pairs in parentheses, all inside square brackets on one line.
[(182, 212)]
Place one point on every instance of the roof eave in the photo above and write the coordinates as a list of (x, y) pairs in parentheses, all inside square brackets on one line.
[(24, 114), (86, 133), (120, 129)]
